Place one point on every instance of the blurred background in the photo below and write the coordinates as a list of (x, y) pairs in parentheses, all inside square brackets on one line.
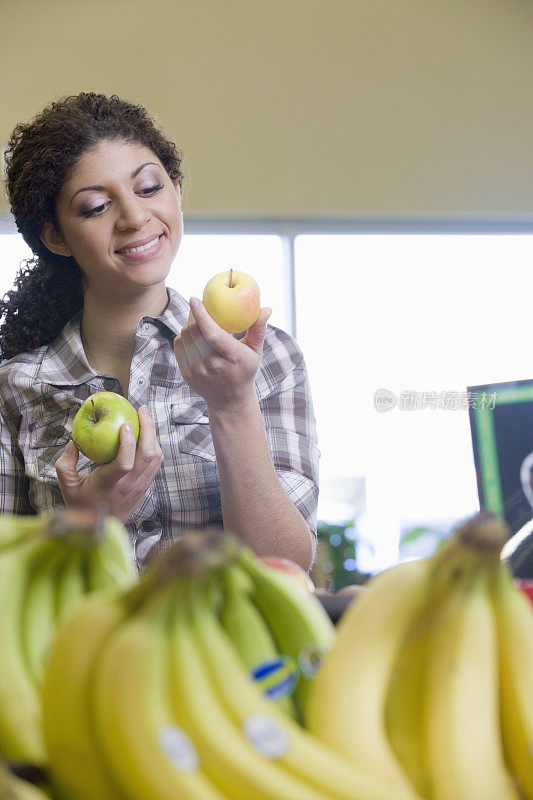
[(370, 163)]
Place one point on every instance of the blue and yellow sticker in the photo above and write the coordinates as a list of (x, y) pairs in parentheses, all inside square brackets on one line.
[(277, 678)]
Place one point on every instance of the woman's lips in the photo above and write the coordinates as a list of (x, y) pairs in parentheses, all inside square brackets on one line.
[(143, 252)]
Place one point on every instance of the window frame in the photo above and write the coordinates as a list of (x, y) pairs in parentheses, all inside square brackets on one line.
[(289, 229)]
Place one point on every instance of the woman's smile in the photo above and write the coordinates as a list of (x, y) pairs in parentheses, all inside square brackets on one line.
[(144, 250)]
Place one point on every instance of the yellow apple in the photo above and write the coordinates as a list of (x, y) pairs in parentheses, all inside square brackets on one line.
[(232, 299)]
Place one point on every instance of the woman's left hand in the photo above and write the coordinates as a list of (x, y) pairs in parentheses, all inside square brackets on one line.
[(215, 365)]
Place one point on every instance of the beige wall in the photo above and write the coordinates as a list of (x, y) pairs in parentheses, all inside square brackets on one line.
[(347, 108)]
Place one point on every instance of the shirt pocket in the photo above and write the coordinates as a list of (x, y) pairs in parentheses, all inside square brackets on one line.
[(190, 424), (46, 441)]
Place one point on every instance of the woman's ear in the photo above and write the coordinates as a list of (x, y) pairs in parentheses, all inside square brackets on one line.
[(53, 241)]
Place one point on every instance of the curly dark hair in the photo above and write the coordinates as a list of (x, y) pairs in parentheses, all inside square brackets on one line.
[(40, 157)]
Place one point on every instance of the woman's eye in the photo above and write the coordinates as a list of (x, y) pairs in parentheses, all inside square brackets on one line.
[(151, 189), (92, 212)]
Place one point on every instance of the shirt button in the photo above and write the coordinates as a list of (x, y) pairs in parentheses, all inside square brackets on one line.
[(109, 384), (140, 381), (146, 327)]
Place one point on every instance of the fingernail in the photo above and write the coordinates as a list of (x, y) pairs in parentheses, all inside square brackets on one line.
[(127, 427), (193, 302)]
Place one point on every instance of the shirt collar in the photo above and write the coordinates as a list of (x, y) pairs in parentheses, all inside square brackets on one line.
[(65, 363), (176, 314)]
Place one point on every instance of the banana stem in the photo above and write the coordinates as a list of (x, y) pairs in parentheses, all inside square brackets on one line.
[(484, 532)]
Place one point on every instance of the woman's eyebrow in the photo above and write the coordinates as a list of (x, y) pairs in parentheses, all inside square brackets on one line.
[(136, 171), (101, 188)]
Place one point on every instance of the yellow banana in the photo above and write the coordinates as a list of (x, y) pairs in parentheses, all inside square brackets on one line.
[(39, 609), (150, 757), (111, 561), (515, 632), (348, 699), (75, 763), (299, 757), (297, 620), (71, 585), (404, 721), (464, 748), (100, 573), (403, 704), (20, 706), (252, 639), (117, 546), (15, 528)]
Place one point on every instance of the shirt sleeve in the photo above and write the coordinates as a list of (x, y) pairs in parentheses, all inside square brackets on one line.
[(290, 428), (14, 484)]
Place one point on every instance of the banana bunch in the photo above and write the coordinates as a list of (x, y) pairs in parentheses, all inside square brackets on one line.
[(430, 680), (148, 693), (47, 564)]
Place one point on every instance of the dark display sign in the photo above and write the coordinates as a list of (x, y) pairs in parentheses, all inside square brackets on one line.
[(501, 422)]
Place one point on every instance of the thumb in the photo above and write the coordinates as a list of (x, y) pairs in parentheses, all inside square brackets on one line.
[(66, 465), (255, 335)]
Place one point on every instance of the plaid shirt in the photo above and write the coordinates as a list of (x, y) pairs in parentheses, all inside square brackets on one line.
[(41, 391)]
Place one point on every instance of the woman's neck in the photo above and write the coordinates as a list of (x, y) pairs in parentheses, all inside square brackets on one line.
[(108, 326)]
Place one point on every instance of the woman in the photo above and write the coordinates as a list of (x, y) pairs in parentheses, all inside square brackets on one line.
[(227, 427)]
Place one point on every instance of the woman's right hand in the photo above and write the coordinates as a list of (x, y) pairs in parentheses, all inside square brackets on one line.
[(120, 485)]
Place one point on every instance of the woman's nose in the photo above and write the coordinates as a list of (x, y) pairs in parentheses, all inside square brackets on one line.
[(132, 213)]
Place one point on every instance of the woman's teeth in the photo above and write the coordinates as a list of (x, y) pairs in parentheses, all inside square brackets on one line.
[(141, 247)]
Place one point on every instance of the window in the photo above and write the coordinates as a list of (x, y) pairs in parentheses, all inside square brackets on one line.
[(13, 249), (409, 313)]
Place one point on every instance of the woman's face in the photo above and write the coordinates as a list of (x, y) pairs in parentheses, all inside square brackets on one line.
[(120, 218)]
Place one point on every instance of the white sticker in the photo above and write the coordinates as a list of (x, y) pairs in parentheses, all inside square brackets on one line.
[(178, 748), (266, 736)]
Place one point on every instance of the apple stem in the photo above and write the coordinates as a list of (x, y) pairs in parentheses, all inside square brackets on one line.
[(95, 418), (231, 279)]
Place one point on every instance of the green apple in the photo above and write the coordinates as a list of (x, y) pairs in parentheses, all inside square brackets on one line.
[(232, 299), (96, 426)]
